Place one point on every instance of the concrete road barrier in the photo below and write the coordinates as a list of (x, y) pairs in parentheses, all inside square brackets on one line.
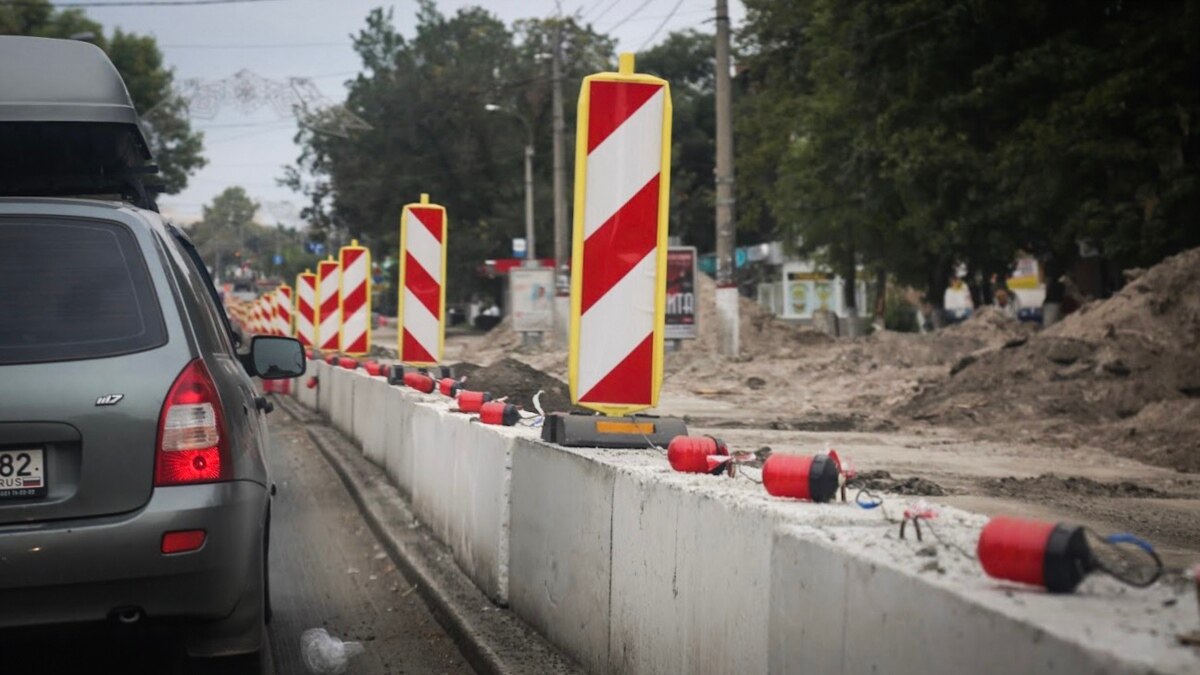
[(632, 568)]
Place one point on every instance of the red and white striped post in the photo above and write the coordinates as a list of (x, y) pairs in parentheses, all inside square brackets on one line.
[(329, 314), (354, 297), (422, 303), (306, 308), (618, 272), (262, 309), (283, 310)]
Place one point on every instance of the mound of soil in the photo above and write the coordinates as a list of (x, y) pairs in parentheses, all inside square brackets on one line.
[(760, 332), (1127, 369), (884, 482), (1049, 484), (518, 381)]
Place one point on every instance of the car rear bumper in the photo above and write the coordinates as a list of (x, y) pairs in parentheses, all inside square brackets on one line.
[(83, 570)]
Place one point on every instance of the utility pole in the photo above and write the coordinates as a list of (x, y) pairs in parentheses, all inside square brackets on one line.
[(560, 165), (562, 291), (727, 293)]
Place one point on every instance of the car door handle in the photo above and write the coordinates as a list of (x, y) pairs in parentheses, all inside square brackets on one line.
[(263, 404)]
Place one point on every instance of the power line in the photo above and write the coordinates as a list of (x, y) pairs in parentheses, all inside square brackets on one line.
[(129, 3), (660, 26), (280, 45), (628, 17), (606, 10)]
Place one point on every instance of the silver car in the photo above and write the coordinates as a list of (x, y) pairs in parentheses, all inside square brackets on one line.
[(133, 482)]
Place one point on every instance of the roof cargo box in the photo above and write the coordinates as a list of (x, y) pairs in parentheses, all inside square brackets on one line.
[(67, 124)]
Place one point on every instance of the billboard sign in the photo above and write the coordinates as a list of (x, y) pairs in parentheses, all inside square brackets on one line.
[(532, 295), (681, 293)]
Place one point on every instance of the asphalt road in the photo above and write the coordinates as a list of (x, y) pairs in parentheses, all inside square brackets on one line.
[(327, 571)]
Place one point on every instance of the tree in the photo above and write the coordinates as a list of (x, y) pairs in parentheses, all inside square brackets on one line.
[(424, 99), (177, 148), (922, 134), (228, 236), (685, 59)]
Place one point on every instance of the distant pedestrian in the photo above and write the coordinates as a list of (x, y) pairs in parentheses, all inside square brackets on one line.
[(1007, 303)]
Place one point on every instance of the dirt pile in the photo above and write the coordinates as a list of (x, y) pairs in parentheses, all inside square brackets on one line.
[(1010, 486), (518, 381), (760, 332), (885, 482), (1127, 369)]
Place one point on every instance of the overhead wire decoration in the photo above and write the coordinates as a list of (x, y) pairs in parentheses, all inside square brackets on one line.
[(296, 98)]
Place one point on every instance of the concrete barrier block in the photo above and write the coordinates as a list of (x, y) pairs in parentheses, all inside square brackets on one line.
[(367, 416), (398, 439), (560, 550), (307, 397), (324, 388), (341, 403), (850, 601), (461, 491), (689, 582)]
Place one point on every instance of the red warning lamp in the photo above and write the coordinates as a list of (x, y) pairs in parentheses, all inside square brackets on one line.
[(472, 401), (810, 477), (1054, 556), (448, 386), (500, 413), (419, 381), (697, 454)]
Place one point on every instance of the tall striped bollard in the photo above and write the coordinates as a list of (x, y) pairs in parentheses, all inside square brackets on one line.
[(283, 310), (422, 301), (306, 304), (618, 264), (329, 315), (618, 279), (354, 298)]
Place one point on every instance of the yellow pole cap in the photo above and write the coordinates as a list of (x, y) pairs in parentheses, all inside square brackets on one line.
[(625, 63), (424, 197)]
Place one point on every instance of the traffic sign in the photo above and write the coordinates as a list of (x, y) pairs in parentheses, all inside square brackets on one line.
[(618, 283)]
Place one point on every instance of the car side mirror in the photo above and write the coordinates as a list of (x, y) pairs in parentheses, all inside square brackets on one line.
[(275, 358)]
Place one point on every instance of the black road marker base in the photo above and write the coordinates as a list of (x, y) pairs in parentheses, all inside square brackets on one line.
[(598, 431)]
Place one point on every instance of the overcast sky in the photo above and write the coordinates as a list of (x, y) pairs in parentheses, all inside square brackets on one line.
[(311, 38)]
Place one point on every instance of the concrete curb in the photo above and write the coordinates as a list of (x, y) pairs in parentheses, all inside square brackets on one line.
[(493, 640), (628, 566)]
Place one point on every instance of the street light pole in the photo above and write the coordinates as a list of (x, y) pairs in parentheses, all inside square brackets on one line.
[(530, 258), (528, 340)]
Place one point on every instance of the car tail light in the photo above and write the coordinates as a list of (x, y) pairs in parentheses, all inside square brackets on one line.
[(193, 446), (182, 541)]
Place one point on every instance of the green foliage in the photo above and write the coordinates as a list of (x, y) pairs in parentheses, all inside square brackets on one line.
[(919, 134), (177, 149), (685, 59), (229, 237), (424, 99)]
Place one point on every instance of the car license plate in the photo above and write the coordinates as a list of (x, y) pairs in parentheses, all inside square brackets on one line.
[(22, 474)]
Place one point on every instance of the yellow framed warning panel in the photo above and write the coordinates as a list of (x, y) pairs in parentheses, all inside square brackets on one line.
[(625, 74), (404, 282)]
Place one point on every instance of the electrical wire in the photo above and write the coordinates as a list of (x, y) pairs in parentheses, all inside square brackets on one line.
[(661, 25), (129, 3), (278, 45), (1120, 559), (628, 17), (614, 3)]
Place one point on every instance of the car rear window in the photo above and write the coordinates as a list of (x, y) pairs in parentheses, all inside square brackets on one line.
[(74, 290)]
